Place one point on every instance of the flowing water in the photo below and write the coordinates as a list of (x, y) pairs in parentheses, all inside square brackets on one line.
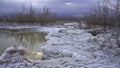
[(32, 40)]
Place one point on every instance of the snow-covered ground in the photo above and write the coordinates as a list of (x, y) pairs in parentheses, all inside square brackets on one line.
[(66, 48)]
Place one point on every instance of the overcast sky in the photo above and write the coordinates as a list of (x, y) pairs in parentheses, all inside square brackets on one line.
[(59, 6)]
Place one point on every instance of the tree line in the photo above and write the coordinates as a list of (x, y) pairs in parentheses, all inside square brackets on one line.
[(106, 13), (32, 15)]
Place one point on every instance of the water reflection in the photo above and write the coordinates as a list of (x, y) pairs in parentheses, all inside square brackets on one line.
[(32, 41)]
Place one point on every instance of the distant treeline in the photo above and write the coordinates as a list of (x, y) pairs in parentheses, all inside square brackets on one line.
[(32, 15), (105, 14)]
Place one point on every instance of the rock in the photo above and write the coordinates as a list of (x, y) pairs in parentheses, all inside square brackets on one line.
[(14, 57), (11, 50), (62, 31), (7, 54), (95, 32), (22, 50)]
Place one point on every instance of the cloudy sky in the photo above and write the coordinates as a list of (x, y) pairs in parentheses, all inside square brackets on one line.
[(59, 6)]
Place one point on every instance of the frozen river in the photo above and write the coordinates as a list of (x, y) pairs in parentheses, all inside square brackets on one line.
[(59, 47)]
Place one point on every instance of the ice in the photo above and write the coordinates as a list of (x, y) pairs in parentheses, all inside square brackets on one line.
[(66, 48), (79, 44), (13, 57)]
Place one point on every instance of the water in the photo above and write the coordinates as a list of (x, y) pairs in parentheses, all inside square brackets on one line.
[(32, 40)]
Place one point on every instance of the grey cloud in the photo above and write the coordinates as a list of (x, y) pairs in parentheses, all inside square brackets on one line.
[(59, 6)]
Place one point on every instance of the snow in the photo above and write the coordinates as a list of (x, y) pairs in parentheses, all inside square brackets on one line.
[(49, 29), (21, 47), (71, 24), (13, 48), (13, 58), (66, 48)]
